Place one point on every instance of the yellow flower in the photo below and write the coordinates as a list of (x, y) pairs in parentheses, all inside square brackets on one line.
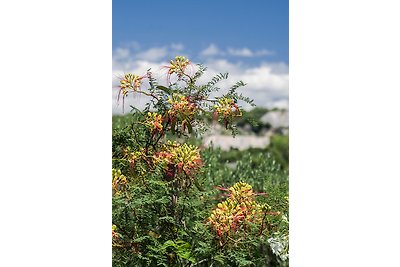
[(130, 82), (226, 107), (184, 159), (181, 105), (114, 231), (119, 181), (154, 120), (239, 209), (178, 65)]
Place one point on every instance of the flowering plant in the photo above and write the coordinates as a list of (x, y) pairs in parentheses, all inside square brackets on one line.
[(237, 212), (164, 208)]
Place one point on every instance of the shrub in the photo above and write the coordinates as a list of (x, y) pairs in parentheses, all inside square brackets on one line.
[(168, 209)]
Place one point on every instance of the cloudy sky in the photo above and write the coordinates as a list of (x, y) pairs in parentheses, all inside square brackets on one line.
[(249, 40)]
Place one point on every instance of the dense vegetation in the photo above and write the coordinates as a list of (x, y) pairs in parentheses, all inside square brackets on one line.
[(177, 205)]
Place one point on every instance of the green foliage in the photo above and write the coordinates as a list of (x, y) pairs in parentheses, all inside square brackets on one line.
[(279, 148), (164, 191), (253, 118)]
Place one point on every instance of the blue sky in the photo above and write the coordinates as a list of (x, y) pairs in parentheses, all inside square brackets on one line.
[(248, 39)]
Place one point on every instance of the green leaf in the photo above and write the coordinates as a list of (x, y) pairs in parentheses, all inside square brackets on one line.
[(183, 250), (196, 183), (186, 255), (189, 127), (169, 243), (165, 89), (219, 258), (173, 124), (141, 239)]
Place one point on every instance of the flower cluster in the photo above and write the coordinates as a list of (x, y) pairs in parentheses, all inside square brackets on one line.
[(236, 211), (130, 82), (187, 159), (133, 156), (181, 105), (178, 66), (227, 109), (154, 121), (180, 159), (114, 231), (182, 110), (119, 181)]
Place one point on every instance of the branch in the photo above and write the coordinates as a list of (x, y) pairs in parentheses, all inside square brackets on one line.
[(148, 94)]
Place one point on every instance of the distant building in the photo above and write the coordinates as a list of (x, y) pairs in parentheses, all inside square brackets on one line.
[(241, 142), (278, 119)]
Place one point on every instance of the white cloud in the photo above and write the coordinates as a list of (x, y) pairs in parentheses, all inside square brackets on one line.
[(214, 50), (152, 54), (246, 52), (266, 83), (264, 52), (121, 53), (260, 77), (177, 47), (211, 50)]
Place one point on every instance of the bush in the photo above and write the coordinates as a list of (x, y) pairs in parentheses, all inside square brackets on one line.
[(177, 205)]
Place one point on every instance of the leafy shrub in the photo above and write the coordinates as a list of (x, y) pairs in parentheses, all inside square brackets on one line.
[(165, 190)]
